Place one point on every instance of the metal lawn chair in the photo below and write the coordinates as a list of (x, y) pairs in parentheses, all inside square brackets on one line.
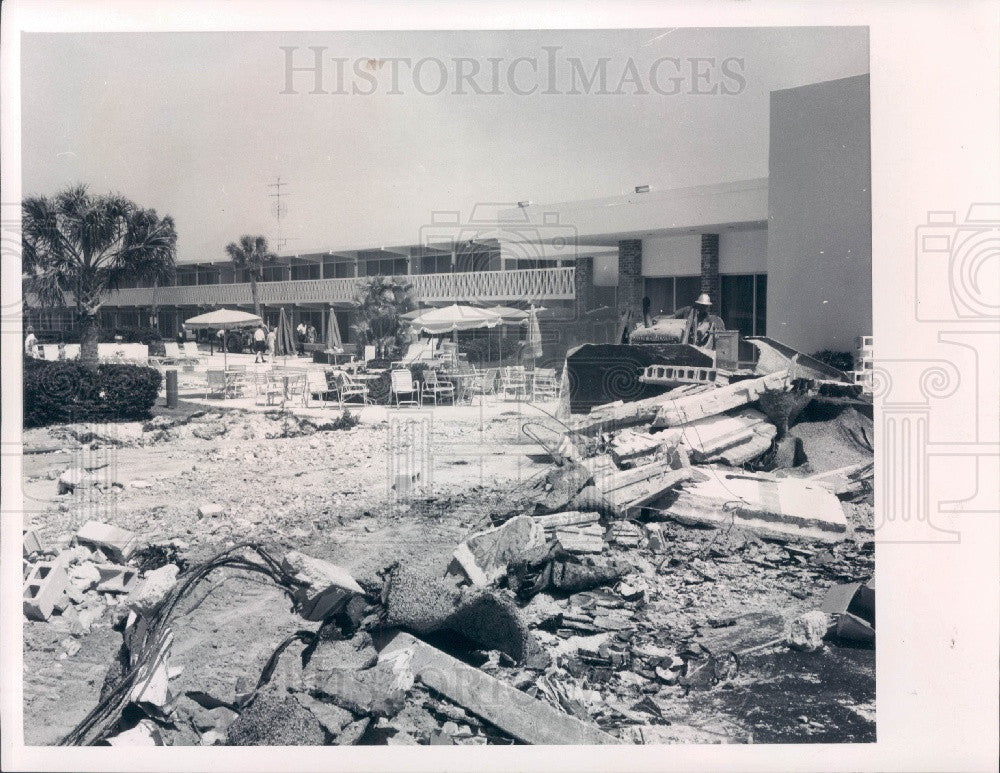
[(437, 388), (403, 386)]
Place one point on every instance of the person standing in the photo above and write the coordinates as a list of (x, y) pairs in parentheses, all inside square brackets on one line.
[(259, 344), (300, 334), (272, 342), (311, 333), (181, 337), (31, 344)]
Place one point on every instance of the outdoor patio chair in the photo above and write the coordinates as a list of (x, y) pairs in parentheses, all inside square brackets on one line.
[(50, 352), (485, 383), (545, 386), (270, 389), (436, 388), (216, 384), (317, 386), (349, 388), (403, 386), (513, 382)]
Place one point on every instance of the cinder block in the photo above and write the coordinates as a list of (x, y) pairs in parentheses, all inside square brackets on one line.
[(117, 579), (31, 542), (44, 589), (118, 543)]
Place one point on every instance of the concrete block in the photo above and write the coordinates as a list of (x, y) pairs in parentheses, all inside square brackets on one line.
[(31, 542), (44, 589), (84, 576), (211, 510), (515, 712), (116, 578), (116, 542)]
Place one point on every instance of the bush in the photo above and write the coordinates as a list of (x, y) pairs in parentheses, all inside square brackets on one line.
[(67, 391), (482, 351)]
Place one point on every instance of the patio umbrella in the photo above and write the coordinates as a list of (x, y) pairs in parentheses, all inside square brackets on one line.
[(453, 318), (225, 319), (285, 343), (533, 349), (333, 339), (510, 315)]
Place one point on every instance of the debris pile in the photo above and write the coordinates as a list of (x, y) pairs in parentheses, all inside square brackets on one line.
[(596, 606)]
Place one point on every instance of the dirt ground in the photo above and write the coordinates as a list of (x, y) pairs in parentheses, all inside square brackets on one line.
[(341, 496)]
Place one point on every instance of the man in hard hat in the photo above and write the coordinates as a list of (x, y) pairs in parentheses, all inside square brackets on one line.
[(700, 326)]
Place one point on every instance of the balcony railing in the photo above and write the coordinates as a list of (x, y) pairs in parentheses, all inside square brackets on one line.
[(527, 285)]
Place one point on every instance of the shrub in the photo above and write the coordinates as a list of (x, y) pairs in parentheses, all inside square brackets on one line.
[(67, 391), (482, 351)]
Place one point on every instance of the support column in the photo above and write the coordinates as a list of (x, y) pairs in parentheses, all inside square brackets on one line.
[(630, 276), (583, 281), (711, 282)]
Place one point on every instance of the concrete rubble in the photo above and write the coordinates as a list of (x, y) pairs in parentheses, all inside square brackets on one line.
[(578, 613)]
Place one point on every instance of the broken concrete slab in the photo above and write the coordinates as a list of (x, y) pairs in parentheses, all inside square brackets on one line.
[(581, 540), (786, 509), (758, 442), (484, 557), (515, 712), (333, 718), (327, 587), (629, 448), (375, 692), (146, 733), (276, 720), (686, 409), (568, 518), (639, 492), (709, 436), (617, 415), (153, 588), (806, 631), (117, 543)]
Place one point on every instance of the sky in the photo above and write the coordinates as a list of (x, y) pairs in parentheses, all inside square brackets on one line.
[(195, 125)]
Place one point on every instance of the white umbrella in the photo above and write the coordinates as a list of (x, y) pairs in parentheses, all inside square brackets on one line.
[(511, 315), (534, 347), (452, 318), (226, 319)]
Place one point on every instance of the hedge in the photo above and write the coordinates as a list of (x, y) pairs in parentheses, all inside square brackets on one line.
[(66, 391)]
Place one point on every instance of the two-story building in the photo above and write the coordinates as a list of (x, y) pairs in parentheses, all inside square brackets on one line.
[(788, 256)]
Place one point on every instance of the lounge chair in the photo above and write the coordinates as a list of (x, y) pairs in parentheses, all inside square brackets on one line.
[(402, 384), (191, 352), (215, 383), (436, 388)]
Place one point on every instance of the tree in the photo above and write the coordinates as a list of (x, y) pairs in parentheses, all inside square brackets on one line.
[(252, 254), (381, 299), (88, 244)]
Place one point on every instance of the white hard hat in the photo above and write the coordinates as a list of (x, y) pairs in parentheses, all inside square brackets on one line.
[(703, 300)]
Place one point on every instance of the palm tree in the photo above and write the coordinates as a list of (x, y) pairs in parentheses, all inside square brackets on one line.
[(252, 254), (87, 244), (381, 299)]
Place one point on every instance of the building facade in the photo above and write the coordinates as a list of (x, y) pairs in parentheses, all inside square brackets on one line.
[(787, 256)]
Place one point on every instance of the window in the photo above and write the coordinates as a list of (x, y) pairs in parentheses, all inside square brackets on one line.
[(275, 273), (670, 293), (305, 271), (744, 303), (432, 264)]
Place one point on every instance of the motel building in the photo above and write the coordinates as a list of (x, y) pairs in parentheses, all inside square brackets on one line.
[(787, 256)]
